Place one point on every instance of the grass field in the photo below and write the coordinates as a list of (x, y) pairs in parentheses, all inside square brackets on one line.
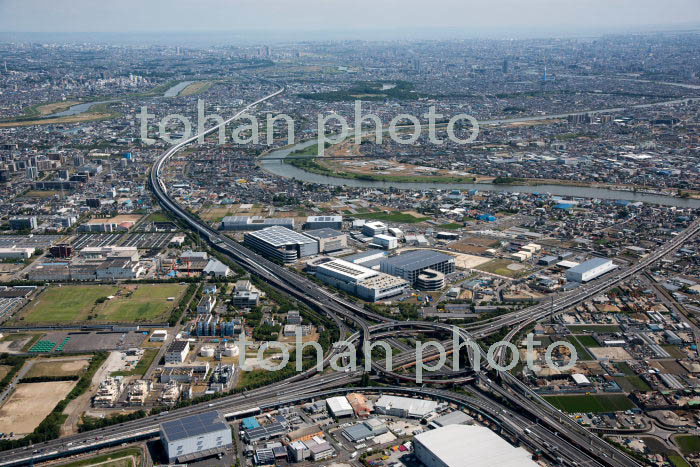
[(677, 461), (688, 443), (78, 303), (66, 304), (142, 366), (4, 370), (632, 383), (142, 303), (588, 341), (625, 368), (122, 458), (392, 217), (591, 403)]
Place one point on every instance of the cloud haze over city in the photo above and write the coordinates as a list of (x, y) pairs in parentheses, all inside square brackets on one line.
[(498, 17)]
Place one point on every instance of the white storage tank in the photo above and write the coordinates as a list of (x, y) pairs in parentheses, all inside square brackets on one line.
[(206, 351), (230, 350)]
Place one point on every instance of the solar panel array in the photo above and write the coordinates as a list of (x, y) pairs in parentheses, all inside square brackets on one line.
[(193, 425)]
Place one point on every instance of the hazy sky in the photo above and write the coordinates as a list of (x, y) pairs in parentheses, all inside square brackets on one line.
[(316, 15)]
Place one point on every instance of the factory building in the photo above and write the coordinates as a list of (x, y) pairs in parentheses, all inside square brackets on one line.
[(328, 239), (281, 244), (255, 222), (468, 446), (16, 253), (590, 269), (324, 222), (363, 282), (195, 437), (410, 265)]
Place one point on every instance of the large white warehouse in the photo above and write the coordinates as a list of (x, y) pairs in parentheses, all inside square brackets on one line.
[(590, 269), (363, 282), (468, 446)]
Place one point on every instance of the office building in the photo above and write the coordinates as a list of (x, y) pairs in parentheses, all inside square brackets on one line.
[(324, 222), (411, 264), (363, 282), (467, 446), (195, 437), (590, 269), (23, 223), (281, 244), (255, 222)]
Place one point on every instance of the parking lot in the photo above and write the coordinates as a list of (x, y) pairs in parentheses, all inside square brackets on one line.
[(83, 341)]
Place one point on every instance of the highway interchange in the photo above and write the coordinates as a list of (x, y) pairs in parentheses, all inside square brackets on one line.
[(500, 397)]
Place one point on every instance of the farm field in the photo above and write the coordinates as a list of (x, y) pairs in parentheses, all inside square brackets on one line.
[(79, 303), (401, 217), (591, 403), (30, 404)]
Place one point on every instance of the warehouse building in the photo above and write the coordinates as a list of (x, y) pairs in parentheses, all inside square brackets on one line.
[(195, 437), (385, 241), (404, 407), (328, 239), (324, 222), (467, 446), (360, 281), (281, 244), (590, 269), (372, 229), (411, 264), (255, 222), (339, 406)]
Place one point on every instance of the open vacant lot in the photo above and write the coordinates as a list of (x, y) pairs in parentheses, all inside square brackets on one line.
[(30, 404), (591, 403), (503, 267), (78, 303), (57, 367)]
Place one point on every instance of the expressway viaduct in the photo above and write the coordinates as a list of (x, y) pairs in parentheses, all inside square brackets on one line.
[(522, 415)]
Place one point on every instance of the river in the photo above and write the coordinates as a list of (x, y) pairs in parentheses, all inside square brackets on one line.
[(273, 162), (85, 106)]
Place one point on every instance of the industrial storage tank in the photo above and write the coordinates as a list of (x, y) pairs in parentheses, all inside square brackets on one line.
[(230, 350), (206, 351)]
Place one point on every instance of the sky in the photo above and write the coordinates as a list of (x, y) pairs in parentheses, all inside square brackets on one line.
[(299, 17)]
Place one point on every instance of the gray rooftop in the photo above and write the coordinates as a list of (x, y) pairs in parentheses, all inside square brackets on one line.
[(323, 233), (590, 264), (280, 236), (193, 425), (417, 259)]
